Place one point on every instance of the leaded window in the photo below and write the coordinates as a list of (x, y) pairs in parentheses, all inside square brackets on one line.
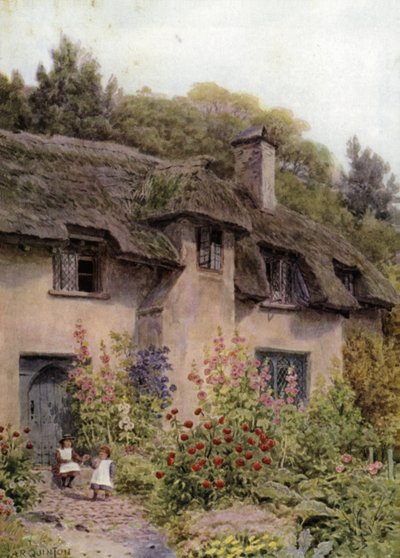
[(348, 277), (280, 364), (287, 285), (209, 248), (77, 268)]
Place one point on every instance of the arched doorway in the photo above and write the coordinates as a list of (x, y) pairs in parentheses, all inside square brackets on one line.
[(49, 414)]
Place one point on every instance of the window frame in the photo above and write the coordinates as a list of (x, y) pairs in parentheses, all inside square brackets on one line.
[(289, 267), (303, 382), (79, 249), (211, 257), (348, 276)]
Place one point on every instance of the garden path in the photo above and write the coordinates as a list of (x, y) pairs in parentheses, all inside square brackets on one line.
[(96, 529)]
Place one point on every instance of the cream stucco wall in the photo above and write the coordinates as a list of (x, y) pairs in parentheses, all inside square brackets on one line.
[(32, 321), (200, 301)]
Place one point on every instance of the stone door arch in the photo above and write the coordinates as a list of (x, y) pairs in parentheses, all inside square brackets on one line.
[(46, 405)]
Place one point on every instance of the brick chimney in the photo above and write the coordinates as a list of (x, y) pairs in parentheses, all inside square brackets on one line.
[(255, 166)]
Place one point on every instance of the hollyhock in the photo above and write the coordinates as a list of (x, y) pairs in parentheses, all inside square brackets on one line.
[(206, 484), (257, 466), (29, 445), (218, 461), (27, 429), (184, 437), (191, 451), (199, 445), (202, 395), (340, 468), (220, 483), (208, 425), (217, 441), (188, 424), (239, 449), (248, 455), (346, 458), (160, 474), (198, 411), (266, 460)]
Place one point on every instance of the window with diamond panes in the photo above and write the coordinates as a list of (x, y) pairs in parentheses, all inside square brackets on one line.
[(209, 248), (279, 364), (286, 281), (76, 272)]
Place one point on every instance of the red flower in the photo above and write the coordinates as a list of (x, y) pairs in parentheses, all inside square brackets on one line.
[(271, 444), (258, 431), (217, 441), (206, 484), (239, 462), (160, 474), (1, 428), (191, 451), (174, 411), (184, 437), (202, 462), (27, 429), (266, 460), (171, 455), (227, 430), (29, 445), (263, 438), (104, 359), (220, 483), (221, 420), (199, 445), (245, 427), (188, 424), (239, 449), (264, 447), (218, 461), (196, 467), (248, 455), (208, 425), (197, 411), (257, 466), (170, 461), (168, 416), (228, 439), (16, 434), (251, 441)]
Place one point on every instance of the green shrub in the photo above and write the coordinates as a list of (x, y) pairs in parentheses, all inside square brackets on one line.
[(17, 478), (135, 475)]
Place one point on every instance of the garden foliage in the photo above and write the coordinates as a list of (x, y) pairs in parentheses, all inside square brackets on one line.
[(17, 479)]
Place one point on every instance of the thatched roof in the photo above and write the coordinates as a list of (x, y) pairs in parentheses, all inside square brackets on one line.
[(194, 191), (317, 248), (48, 184)]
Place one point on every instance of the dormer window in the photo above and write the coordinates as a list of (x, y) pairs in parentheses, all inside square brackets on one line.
[(286, 281), (348, 276), (209, 248), (77, 267)]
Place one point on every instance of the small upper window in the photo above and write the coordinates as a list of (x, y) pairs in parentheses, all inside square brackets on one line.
[(209, 248), (348, 277), (77, 268), (285, 280)]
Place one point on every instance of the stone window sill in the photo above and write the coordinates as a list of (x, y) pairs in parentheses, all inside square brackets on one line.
[(79, 294), (277, 306)]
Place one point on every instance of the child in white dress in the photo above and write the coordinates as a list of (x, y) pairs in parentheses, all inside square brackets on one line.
[(104, 471), (66, 466)]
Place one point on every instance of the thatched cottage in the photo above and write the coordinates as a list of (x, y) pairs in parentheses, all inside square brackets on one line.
[(169, 252)]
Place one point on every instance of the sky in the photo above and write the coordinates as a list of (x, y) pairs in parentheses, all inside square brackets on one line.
[(334, 63)]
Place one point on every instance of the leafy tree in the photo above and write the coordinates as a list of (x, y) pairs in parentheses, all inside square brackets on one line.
[(366, 188), (15, 113), (372, 366), (70, 98)]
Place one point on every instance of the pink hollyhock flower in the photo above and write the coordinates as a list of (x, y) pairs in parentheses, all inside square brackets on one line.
[(105, 359), (372, 469), (340, 468), (346, 458), (202, 395), (81, 396), (378, 465)]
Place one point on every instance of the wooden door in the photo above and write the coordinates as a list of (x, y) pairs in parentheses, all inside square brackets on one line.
[(49, 413)]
